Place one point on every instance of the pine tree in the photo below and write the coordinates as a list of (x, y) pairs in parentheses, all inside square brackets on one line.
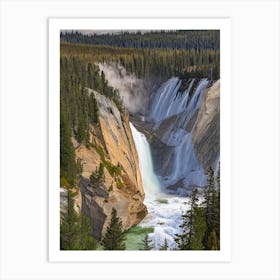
[(81, 133), (212, 241), (218, 177), (185, 239), (98, 177), (86, 241), (210, 203), (199, 229), (75, 229), (93, 109), (114, 238), (164, 246), (69, 227), (217, 208), (146, 244), (68, 167)]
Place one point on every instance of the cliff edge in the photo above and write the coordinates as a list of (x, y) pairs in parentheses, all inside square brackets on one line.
[(110, 171)]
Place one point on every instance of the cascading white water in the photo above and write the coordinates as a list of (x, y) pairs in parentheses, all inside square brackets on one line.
[(160, 107), (149, 179), (164, 215), (168, 101), (164, 211)]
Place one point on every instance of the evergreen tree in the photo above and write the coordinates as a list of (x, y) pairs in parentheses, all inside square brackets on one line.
[(211, 213), (93, 109), (75, 229), (86, 241), (199, 229), (68, 167), (209, 198), (82, 132), (114, 238), (213, 241), (146, 244), (98, 177), (164, 246), (217, 208), (69, 227), (185, 239), (218, 177)]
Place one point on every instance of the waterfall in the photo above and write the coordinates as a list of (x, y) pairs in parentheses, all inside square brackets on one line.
[(168, 101), (165, 207), (160, 107), (149, 179), (164, 211), (184, 170)]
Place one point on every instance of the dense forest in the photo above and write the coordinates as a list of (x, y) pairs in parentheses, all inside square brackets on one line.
[(191, 53), (79, 110), (172, 39), (149, 64)]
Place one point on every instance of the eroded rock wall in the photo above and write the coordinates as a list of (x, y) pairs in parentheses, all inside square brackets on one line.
[(112, 145), (206, 132)]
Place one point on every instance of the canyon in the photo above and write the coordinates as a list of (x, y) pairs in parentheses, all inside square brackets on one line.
[(152, 158)]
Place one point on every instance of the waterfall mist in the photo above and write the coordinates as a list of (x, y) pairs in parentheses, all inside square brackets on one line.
[(132, 90)]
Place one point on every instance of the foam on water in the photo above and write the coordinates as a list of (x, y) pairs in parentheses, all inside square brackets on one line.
[(165, 218)]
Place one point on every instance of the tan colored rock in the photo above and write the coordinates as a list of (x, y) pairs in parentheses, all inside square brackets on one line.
[(114, 141), (206, 132)]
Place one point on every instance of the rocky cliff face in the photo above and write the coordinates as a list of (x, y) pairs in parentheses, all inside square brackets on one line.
[(111, 146), (206, 132)]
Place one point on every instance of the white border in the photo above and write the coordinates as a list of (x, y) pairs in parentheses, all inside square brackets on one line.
[(55, 255)]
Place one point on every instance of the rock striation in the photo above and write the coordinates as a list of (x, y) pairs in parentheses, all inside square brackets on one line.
[(206, 132), (111, 147)]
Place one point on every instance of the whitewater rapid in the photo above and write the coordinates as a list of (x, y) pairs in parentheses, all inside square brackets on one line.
[(164, 210)]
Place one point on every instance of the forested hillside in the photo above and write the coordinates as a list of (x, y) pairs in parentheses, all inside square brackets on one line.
[(172, 53), (175, 39), (78, 108)]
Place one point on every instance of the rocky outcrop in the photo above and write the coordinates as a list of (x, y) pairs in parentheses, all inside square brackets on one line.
[(206, 132), (112, 146)]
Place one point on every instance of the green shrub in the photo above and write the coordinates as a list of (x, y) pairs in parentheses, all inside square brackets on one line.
[(64, 182), (119, 183)]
